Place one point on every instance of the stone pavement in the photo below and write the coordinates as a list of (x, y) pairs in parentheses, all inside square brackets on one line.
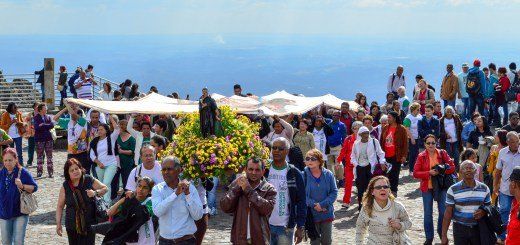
[(42, 226)]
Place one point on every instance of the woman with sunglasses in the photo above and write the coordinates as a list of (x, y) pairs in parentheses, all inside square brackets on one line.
[(429, 165), (321, 193), (385, 219)]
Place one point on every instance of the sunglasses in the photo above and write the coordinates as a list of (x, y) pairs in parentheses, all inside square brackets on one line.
[(276, 148), (311, 159), (381, 187), (430, 143)]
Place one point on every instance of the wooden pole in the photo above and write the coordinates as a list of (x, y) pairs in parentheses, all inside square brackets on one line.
[(48, 81)]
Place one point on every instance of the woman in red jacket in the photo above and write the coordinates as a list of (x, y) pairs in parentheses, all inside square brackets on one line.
[(426, 169), (500, 94), (344, 157)]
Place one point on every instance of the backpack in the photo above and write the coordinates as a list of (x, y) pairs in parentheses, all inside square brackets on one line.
[(473, 85), (513, 90)]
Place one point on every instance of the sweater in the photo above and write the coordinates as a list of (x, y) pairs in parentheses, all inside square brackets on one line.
[(323, 191), (42, 128), (379, 231), (304, 141)]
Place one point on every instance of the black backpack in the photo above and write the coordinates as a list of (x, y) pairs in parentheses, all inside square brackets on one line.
[(513, 90), (473, 85)]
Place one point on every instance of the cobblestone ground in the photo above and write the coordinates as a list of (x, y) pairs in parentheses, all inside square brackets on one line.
[(42, 225)]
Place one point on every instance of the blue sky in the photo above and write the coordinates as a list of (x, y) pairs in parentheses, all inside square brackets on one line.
[(422, 18)]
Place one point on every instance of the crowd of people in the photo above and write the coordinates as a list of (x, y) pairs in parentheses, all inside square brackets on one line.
[(464, 156)]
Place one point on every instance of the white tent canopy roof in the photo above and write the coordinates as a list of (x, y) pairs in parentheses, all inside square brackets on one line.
[(278, 103)]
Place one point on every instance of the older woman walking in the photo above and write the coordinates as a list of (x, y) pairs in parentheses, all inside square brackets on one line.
[(344, 157), (13, 180), (321, 193), (43, 124), (76, 196)]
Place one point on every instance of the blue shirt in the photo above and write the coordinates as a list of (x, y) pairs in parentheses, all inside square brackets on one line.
[(466, 130), (493, 79), (177, 214), (466, 200), (322, 190), (9, 194), (340, 132), (463, 79)]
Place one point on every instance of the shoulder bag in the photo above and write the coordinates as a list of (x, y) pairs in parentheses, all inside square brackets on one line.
[(28, 202)]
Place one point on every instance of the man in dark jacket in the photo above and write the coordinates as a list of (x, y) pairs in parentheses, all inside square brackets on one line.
[(290, 209), (251, 200), (41, 82), (73, 79)]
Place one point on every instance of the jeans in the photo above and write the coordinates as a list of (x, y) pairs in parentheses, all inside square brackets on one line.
[(474, 102), (427, 198), (325, 230), (466, 114), (506, 113), (17, 143), (504, 202), (413, 152), (449, 102), (13, 230), (453, 152), (30, 150), (465, 235), (115, 184), (105, 176), (281, 235), (212, 195)]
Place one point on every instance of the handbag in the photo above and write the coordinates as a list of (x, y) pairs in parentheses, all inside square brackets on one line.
[(378, 169), (399, 237), (101, 209), (310, 227), (53, 134), (28, 202)]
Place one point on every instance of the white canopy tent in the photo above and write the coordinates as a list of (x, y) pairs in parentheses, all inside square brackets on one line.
[(279, 103)]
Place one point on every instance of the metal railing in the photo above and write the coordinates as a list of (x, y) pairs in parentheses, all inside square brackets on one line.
[(36, 92)]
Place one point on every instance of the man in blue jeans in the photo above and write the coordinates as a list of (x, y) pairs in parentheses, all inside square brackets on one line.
[(508, 159), (290, 208), (463, 95)]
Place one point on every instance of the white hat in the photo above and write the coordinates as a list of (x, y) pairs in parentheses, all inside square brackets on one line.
[(363, 130)]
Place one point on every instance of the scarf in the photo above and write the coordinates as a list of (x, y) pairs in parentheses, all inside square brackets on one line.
[(79, 209)]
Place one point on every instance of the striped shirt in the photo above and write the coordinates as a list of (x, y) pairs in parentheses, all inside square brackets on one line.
[(85, 91), (465, 201)]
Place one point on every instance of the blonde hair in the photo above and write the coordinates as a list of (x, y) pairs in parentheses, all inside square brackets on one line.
[(317, 154), (368, 198), (415, 106)]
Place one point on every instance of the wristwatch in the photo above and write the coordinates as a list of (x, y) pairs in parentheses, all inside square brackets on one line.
[(97, 193)]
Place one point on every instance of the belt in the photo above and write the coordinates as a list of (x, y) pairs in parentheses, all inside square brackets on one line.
[(177, 240)]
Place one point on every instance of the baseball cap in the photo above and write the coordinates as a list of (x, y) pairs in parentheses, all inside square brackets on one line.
[(476, 62), (465, 65)]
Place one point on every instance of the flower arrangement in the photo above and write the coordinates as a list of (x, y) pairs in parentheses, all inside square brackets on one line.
[(236, 141)]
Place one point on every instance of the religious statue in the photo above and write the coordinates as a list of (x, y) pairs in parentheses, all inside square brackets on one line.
[(208, 113)]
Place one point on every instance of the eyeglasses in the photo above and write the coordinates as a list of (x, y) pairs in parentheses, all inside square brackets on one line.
[(309, 159), (168, 169), (430, 143), (381, 187), (276, 148)]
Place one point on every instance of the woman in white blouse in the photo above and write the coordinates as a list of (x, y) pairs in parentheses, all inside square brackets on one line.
[(451, 133), (107, 94), (103, 154)]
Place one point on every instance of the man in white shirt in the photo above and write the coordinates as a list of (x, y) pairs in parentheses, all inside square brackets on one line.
[(508, 159), (177, 205), (149, 168), (396, 80)]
